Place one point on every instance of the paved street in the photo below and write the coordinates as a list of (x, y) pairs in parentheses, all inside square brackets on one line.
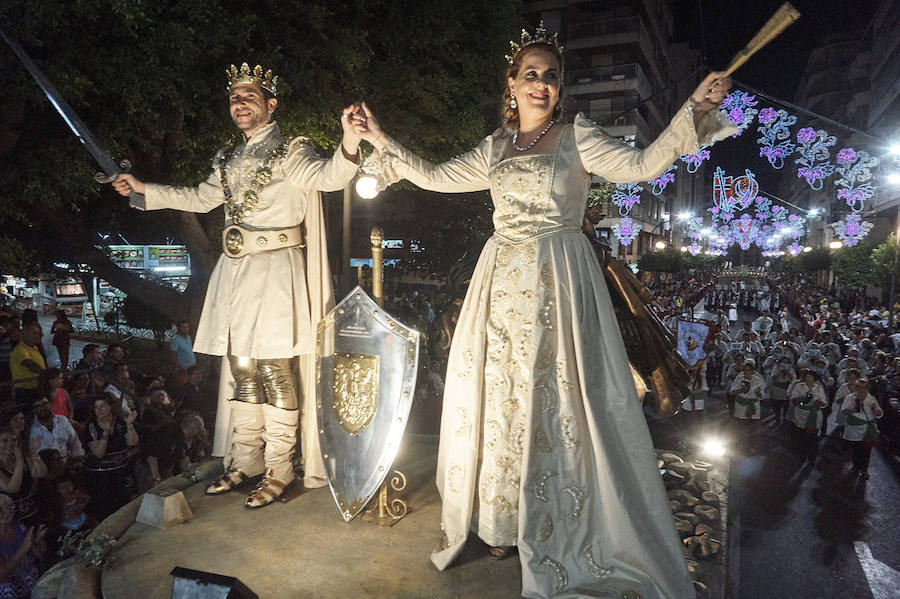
[(801, 530)]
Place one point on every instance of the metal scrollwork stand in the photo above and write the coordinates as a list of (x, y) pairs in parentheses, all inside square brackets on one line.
[(387, 512)]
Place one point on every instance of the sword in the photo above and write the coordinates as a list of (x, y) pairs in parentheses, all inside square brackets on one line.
[(110, 169)]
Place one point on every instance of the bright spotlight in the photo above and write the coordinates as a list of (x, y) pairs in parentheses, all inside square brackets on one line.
[(835, 245), (660, 245), (367, 187), (713, 447), (894, 178), (685, 215), (895, 149), (813, 211), (807, 249)]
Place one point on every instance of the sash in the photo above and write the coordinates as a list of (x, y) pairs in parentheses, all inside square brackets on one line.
[(812, 419)]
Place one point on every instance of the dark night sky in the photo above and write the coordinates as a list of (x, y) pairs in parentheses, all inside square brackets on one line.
[(776, 69)]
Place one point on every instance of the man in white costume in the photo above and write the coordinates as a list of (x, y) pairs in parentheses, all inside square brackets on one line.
[(265, 294)]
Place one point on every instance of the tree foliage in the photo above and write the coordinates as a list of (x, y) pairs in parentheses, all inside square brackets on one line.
[(854, 267), (147, 76), (886, 261)]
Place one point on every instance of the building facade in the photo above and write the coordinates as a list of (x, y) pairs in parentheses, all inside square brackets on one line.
[(620, 72)]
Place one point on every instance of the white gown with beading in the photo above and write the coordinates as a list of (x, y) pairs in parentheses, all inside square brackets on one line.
[(543, 440)]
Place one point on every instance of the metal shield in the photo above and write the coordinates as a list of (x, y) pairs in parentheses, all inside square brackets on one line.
[(365, 376)]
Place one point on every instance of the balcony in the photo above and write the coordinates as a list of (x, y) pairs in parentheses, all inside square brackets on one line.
[(601, 80)]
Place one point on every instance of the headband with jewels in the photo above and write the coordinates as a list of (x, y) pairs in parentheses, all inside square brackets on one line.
[(244, 75), (540, 37)]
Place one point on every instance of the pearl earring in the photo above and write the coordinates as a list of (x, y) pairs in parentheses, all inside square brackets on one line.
[(513, 104)]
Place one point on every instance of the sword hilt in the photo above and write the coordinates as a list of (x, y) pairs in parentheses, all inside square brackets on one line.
[(124, 167)]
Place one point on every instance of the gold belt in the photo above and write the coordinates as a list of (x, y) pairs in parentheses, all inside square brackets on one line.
[(237, 241)]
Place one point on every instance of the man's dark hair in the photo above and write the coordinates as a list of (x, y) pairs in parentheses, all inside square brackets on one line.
[(89, 349)]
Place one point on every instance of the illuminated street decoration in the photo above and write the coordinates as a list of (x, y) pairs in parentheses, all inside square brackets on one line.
[(626, 196), (693, 161), (661, 182), (626, 230), (731, 194), (742, 217), (738, 105), (746, 231), (851, 229), (854, 169), (814, 152), (775, 142)]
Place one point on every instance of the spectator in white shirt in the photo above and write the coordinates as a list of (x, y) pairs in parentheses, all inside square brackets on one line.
[(55, 431)]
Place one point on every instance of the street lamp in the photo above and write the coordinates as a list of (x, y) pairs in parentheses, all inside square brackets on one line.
[(807, 249), (660, 245), (366, 187), (835, 245)]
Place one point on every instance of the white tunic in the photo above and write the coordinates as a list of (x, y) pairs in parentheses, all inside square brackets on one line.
[(260, 302), (858, 422), (543, 441)]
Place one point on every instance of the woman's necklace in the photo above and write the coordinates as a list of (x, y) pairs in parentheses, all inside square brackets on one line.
[(533, 141)]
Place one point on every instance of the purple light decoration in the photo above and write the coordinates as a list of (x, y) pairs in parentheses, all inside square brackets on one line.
[(626, 230), (851, 229), (775, 144), (662, 181), (694, 248), (854, 168), (738, 105), (626, 196), (794, 249), (693, 161), (814, 161)]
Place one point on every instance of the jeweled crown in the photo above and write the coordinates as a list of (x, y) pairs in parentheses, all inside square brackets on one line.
[(244, 75), (540, 37)]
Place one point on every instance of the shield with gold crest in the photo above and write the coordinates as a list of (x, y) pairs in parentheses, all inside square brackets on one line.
[(365, 377)]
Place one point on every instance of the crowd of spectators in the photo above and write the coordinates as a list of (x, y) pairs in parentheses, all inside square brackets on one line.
[(79, 441), (831, 374)]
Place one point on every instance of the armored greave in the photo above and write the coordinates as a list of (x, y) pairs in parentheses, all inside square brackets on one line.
[(247, 439), (265, 388), (281, 437), (268, 380)]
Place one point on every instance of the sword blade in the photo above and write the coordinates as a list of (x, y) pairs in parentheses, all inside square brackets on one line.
[(68, 115)]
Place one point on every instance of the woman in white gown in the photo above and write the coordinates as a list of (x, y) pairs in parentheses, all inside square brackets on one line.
[(543, 443)]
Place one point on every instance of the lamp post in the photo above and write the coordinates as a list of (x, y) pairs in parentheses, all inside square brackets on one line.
[(366, 188)]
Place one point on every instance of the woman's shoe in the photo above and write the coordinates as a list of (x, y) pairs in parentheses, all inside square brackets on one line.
[(498, 553)]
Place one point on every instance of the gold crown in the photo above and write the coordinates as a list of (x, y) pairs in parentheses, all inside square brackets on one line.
[(244, 75), (540, 37)]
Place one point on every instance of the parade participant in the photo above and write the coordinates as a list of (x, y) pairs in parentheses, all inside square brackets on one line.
[(543, 441), (861, 409), (807, 399), (838, 418), (264, 298), (748, 388), (780, 378)]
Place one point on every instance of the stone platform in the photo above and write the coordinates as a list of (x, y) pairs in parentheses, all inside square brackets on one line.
[(299, 548)]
